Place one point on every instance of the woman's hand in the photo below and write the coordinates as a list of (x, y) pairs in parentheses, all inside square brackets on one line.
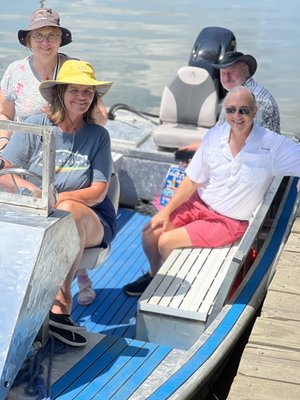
[(89, 196)]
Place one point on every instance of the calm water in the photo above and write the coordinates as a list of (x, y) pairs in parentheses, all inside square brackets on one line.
[(141, 44)]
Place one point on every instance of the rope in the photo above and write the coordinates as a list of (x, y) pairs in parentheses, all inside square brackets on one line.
[(33, 370)]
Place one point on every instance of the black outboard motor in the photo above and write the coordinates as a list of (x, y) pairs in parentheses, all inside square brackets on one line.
[(209, 48)]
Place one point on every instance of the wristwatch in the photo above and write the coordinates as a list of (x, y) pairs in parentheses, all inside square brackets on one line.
[(25, 191)]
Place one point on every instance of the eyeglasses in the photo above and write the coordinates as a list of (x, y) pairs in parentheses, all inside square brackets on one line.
[(51, 37), (241, 110)]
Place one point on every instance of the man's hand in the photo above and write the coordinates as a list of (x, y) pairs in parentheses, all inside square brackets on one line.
[(159, 220), (193, 146)]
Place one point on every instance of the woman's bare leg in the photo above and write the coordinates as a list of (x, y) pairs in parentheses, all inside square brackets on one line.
[(91, 233)]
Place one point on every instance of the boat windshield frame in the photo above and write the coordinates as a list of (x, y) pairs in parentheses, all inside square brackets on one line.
[(33, 205)]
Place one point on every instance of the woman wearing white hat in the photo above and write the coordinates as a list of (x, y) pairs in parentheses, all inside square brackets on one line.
[(19, 95), (83, 167)]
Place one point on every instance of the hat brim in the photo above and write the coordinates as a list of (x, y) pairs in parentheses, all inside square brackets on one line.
[(102, 87), (65, 39), (249, 60)]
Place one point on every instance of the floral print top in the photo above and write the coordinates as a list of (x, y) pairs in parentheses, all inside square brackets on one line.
[(20, 85)]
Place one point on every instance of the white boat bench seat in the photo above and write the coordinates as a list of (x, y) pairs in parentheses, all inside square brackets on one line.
[(188, 108), (175, 306), (190, 287)]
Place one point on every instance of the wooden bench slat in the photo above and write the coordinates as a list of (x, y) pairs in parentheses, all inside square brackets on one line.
[(197, 256), (202, 284), (159, 285), (179, 281), (159, 290), (167, 287), (216, 284), (185, 291)]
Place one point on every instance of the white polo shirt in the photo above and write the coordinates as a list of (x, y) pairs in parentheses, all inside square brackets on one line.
[(235, 186)]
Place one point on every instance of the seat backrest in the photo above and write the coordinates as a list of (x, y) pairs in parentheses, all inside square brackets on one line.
[(97, 255), (113, 192), (190, 99)]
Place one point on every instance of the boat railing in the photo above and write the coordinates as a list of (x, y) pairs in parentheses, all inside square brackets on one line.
[(12, 200)]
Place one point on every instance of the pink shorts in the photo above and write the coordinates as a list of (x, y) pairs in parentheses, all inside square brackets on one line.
[(205, 227)]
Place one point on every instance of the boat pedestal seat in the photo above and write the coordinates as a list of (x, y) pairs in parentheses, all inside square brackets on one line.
[(188, 108), (176, 135), (192, 286)]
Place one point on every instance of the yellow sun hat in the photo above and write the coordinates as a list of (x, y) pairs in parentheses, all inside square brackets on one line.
[(74, 72)]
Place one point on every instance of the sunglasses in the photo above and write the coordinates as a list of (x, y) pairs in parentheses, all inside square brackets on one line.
[(241, 110), (51, 37)]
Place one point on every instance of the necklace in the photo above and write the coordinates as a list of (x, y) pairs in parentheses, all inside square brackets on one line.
[(70, 159), (40, 75), (65, 155)]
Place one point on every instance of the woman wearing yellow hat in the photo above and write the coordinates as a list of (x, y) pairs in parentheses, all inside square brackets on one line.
[(83, 167), (20, 96)]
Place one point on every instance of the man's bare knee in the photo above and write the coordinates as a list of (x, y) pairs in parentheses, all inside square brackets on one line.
[(150, 237), (165, 245)]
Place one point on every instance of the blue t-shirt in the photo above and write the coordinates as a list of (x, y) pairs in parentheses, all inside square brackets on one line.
[(80, 159)]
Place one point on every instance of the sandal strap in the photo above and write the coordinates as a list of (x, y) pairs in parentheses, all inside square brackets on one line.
[(86, 296), (84, 284)]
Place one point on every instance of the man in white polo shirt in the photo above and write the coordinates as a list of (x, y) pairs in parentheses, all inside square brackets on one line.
[(226, 180)]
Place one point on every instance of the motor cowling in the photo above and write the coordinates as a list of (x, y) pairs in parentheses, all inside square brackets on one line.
[(209, 49)]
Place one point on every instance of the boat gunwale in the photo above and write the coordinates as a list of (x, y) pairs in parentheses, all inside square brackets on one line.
[(225, 329)]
